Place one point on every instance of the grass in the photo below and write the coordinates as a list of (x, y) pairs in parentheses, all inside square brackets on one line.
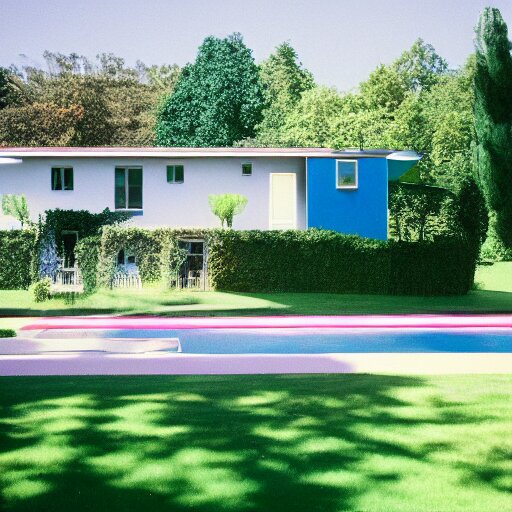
[(494, 294), (259, 443)]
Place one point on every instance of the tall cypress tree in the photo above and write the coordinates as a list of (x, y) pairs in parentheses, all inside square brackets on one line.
[(493, 119)]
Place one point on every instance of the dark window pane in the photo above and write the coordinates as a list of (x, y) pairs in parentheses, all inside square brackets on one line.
[(196, 247), (68, 178), (170, 173), (120, 190), (135, 188), (179, 174), (56, 179), (246, 169), (120, 257), (135, 177), (135, 197), (130, 259)]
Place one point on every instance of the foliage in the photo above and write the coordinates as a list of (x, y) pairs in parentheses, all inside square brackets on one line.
[(172, 258), (39, 124), (16, 250), (17, 207), (85, 223), (493, 249), (217, 100), (326, 261), (49, 260), (112, 104), (41, 289), (11, 89), (283, 81), (418, 212), (420, 66), (493, 119), (7, 333), (87, 255), (157, 254), (226, 206), (315, 119)]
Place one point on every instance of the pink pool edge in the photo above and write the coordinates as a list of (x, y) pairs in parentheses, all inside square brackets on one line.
[(349, 322)]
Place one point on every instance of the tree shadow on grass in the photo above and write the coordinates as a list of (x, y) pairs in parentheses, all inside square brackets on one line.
[(287, 443)]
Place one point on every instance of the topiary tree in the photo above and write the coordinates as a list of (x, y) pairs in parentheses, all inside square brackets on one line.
[(226, 206), (17, 207), (493, 119), (217, 100)]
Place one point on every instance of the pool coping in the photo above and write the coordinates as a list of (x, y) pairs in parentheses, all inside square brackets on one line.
[(292, 321), (161, 363)]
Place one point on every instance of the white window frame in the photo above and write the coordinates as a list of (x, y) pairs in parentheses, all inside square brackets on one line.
[(62, 170), (347, 187), (126, 169)]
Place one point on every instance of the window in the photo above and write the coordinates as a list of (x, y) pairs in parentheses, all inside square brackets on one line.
[(346, 174), (62, 178), (175, 173), (128, 188), (247, 169)]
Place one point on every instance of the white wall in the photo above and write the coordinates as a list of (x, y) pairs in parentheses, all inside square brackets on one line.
[(179, 205)]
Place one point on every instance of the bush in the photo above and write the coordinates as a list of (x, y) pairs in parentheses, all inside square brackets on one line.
[(41, 289), (87, 252), (16, 252), (7, 333), (326, 261)]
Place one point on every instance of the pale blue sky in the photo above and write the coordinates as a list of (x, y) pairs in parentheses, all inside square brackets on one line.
[(340, 41)]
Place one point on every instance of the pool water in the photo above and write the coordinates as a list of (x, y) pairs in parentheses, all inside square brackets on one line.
[(326, 340)]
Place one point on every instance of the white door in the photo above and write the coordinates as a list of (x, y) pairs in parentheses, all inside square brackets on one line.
[(283, 201)]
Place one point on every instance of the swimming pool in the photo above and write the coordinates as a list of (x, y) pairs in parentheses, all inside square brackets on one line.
[(326, 340)]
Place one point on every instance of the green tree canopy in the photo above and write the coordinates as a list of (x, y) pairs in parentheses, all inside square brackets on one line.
[(493, 119), (283, 80), (217, 99), (226, 206)]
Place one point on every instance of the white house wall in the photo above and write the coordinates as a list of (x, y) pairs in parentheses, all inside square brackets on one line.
[(165, 204)]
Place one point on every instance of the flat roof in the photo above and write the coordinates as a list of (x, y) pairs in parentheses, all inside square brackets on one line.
[(161, 152)]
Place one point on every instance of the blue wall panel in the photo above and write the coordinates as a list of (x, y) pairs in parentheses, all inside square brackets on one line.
[(363, 211)]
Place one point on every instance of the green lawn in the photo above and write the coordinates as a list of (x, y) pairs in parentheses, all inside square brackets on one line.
[(284, 443), (494, 294)]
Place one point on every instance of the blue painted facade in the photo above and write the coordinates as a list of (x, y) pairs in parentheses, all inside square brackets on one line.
[(362, 211)]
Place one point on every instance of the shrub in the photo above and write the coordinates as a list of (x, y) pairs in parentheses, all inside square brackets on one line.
[(87, 252), (16, 250), (226, 206), (326, 261), (7, 333), (41, 289)]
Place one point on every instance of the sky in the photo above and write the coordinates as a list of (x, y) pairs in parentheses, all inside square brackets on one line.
[(339, 41)]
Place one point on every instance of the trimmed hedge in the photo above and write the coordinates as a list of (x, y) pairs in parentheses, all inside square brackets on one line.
[(326, 261), (87, 252), (17, 248), (291, 261)]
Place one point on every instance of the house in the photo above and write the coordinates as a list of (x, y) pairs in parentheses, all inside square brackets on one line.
[(287, 188)]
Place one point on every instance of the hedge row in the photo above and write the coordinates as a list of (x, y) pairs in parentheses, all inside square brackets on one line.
[(326, 261), (16, 253)]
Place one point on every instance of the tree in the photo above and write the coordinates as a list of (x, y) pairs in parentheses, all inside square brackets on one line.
[(493, 119), (17, 207), (217, 99), (39, 124), (315, 119), (283, 81), (12, 91), (420, 66), (226, 206)]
